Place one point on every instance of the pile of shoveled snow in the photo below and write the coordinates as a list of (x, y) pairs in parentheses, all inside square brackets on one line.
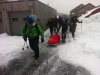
[(92, 18)]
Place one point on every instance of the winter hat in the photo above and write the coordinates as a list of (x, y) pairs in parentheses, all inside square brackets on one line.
[(30, 20), (34, 17)]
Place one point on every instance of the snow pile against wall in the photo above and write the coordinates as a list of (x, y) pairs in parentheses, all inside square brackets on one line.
[(84, 50), (3, 35), (94, 12), (10, 46), (92, 18)]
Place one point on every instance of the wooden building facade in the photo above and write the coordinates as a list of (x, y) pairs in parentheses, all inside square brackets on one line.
[(84, 10), (14, 14), (76, 9), (81, 9)]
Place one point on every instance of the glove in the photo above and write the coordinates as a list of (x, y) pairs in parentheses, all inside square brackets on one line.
[(42, 40), (25, 38)]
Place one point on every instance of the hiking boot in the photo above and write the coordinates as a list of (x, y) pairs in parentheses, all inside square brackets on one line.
[(36, 61), (62, 40), (73, 36)]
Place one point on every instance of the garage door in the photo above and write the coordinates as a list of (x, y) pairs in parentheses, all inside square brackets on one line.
[(17, 19), (1, 24)]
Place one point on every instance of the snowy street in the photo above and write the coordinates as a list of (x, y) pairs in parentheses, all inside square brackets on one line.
[(50, 64), (77, 57)]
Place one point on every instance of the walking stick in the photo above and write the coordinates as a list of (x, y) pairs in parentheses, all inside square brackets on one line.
[(68, 33), (81, 27), (46, 31), (27, 45), (23, 46)]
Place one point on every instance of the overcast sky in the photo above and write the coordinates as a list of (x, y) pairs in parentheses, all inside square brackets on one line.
[(64, 6)]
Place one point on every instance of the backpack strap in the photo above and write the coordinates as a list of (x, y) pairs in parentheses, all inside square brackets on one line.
[(25, 29), (32, 27), (25, 26), (37, 29)]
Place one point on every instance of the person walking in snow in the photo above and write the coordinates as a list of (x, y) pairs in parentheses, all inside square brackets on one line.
[(55, 24), (60, 23), (31, 30), (73, 24), (64, 28), (50, 23), (63, 22)]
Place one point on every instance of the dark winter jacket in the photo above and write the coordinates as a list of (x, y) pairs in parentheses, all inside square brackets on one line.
[(64, 26), (66, 21), (50, 23), (55, 20), (73, 22), (60, 21)]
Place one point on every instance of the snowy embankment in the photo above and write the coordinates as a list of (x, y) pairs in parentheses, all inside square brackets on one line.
[(85, 50), (10, 46)]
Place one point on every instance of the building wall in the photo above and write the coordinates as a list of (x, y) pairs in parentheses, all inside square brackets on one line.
[(16, 20), (7, 7), (76, 9), (85, 9), (44, 12), (1, 24), (15, 6), (81, 9), (37, 8)]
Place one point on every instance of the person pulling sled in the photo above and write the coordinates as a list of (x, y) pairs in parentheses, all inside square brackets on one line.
[(63, 22)]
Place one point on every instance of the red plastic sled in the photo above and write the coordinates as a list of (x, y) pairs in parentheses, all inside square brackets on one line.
[(54, 39)]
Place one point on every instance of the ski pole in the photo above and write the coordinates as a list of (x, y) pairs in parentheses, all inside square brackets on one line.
[(23, 46), (27, 45), (68, 33), (46, 31), (81, 28)]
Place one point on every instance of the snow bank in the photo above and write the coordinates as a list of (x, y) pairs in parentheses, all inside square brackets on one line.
[(85, 50), (92, 18), (10, 46)]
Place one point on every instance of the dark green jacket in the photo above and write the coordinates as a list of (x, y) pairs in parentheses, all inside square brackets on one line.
[(32, 31), (73, 23)]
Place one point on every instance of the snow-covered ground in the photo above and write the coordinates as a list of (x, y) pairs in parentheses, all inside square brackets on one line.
[(83, 51)]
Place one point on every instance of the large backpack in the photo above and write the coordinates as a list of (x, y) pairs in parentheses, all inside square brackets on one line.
[(34, 17)]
